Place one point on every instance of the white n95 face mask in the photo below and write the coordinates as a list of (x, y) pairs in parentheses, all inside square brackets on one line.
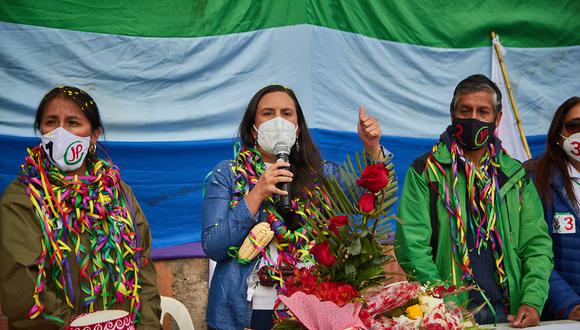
[(64, 149), (276, 131), (571, 146)]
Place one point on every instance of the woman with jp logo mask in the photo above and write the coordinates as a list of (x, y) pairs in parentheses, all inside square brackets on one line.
[(249, 193), (557, 179), (73, 238)]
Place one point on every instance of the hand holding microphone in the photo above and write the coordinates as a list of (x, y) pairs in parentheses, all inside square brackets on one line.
[(282, 151), (276, 179)]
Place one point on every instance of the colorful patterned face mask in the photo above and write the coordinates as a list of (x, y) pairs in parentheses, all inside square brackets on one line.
[(64, 149), (276, 131)]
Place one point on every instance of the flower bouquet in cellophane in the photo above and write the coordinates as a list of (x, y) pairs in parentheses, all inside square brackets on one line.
[(348, 255), (410, 305), (345, 287)]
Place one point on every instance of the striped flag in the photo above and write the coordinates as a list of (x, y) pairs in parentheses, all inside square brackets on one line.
[(507, 131), (172, 78)]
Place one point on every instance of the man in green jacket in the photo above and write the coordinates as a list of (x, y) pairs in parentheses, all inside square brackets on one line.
[(470, 215)]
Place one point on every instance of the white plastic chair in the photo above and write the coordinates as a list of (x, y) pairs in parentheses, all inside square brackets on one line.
[(178, 311), (212, 265)]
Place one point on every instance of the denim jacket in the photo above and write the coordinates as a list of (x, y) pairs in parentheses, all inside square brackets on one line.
[(223, 227)]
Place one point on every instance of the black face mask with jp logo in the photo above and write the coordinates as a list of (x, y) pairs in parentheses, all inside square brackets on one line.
[(473, 134)]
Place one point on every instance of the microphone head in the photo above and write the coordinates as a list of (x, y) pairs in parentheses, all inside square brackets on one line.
[(281, 148)]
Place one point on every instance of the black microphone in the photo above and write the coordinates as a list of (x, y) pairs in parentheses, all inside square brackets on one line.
[(282, 151)]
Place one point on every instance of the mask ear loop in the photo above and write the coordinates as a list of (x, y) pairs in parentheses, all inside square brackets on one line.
[(297, 143), (560, 143), (256, 139)]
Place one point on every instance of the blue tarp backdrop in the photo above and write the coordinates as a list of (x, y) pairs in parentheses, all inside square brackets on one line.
[(172, 79), (167, 178)]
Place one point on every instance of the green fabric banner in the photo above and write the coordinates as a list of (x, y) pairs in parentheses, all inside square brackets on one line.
[(155, 18), (440, 23), (455, 24)]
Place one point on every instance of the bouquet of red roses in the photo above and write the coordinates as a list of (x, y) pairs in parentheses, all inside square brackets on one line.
[(345, 285), (348, 255)]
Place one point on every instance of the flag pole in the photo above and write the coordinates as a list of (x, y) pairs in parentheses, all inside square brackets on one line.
[(511, 96)]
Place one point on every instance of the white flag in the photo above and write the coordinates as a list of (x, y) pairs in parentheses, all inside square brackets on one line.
[(508, 128)]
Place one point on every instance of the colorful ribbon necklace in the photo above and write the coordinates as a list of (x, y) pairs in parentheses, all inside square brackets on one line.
[(292, 245), (70, 209), (483, 208)]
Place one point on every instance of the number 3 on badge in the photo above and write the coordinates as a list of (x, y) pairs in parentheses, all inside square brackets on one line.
[(564, 223)]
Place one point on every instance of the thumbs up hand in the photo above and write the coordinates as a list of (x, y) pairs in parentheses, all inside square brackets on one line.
[(369, 131)]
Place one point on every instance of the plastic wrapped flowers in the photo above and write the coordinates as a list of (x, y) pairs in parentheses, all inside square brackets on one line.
[(409, 305)]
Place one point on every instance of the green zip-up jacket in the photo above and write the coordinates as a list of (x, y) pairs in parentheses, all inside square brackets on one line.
[(423, 244)]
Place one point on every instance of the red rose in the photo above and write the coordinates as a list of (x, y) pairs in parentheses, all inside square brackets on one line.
[(322, 254), (309, 281), (336, 222), (324, 290), (304, 279), (339, 293), (291, 289), (374, 177), (344, 294), (367, 203)]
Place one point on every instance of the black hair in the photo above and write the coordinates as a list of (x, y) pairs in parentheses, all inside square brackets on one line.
[(84, 101), (86, 104), (305, 160), (555, 157), (477, 83)]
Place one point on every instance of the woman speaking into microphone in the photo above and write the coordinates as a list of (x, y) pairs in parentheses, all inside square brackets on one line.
[(246, 193)]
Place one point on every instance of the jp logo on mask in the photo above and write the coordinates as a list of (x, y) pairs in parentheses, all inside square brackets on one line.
[(472, 134), (482, 136), (64, 149), (74, 153)]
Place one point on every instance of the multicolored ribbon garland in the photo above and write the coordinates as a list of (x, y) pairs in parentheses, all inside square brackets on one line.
[(70, 207), (292, 245), (483, 208)]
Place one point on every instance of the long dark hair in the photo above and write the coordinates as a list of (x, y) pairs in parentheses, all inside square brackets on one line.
[(555, 157), (305, 161)]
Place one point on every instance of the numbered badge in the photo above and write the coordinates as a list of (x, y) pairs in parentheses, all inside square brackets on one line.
[(564, 223)]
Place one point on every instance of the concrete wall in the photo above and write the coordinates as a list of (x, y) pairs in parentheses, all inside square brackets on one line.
[(186, 281)]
